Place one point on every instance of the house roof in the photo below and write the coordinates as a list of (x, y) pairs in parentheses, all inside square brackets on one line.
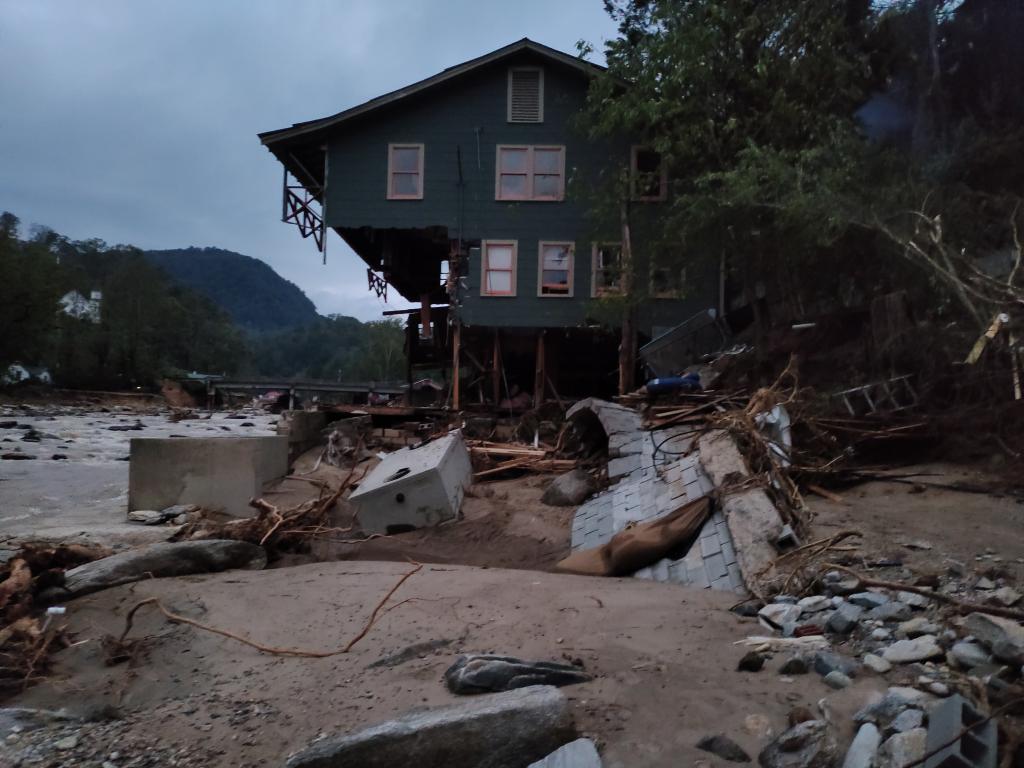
[(312, 126)]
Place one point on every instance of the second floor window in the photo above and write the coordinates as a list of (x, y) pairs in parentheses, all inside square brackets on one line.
[(405, 171), (530, 173)]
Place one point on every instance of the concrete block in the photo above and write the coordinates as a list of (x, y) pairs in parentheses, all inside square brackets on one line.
[(219, 473), (975, 749), (414, 487)]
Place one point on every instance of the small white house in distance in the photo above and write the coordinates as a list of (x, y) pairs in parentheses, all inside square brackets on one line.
[(75, 304), (16, 373)]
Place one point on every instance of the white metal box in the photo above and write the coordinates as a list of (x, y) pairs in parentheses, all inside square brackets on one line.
[(414, 487)]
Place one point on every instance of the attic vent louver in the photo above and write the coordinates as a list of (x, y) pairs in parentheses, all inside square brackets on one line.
[(526, 95)]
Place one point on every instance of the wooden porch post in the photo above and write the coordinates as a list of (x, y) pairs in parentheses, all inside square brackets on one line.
[(425, 330), (539, 375), (627, 346), (456, 345), (496, 369)]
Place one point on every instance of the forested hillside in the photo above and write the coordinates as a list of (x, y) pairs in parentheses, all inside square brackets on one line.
[(149, 324), (256, 297)]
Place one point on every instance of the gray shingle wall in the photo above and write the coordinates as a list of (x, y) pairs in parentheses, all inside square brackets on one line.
[(654, 473)]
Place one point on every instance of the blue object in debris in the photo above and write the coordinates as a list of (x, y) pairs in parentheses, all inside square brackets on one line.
[(688, 383)]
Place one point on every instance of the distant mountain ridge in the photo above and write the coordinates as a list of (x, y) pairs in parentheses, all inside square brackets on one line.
[(249, 290)]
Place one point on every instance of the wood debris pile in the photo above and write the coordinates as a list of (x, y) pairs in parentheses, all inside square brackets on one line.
[(26, 641), (491, 459)]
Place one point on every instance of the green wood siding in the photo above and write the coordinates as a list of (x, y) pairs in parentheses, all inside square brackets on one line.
[(469, 115)]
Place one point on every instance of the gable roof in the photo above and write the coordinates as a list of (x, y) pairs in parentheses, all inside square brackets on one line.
[(313, 126)]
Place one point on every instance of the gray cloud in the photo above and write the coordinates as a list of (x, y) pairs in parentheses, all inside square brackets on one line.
[(136, 121)]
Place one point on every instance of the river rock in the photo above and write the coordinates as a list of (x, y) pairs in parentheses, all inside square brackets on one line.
[(576, 754), (1005, 638), (888, 707), (913, 599), (969, 654), (483, 673), (876, 663), (894, 610), (836, 679), (814, 604), (570, 489), (907, 720), (844, 620), (724, 747), (902, 749), (157, 561), (907, 651), (916, 627), (1005, 596), (502, 730), (828, 661), (807, 745), (861, 753), (778, 615), (146, 516), (868, 600)]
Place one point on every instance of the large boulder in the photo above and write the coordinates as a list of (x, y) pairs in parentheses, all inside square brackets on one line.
[(160, 560), (503, 730), (485, 673), (570, 489), (1005, 638)]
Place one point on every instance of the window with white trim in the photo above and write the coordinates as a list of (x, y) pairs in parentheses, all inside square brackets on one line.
[(525, 172), (526, 95), (555, 268), (405, 171), (606, 275), (648, 175), (498, 268), (668, 282)]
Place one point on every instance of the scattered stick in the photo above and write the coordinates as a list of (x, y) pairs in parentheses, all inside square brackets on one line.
[(176, 618), (826, 494), (961, 605)]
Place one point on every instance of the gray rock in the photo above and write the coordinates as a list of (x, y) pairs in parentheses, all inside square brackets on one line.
[(913, 599), (778, 615), (146, 516), (861, 753), (881, 633), (28, 719), (814, 604), (157, 561), (570, 489), (724, 747), (894, 610), (795, 665), (902, 749), (868, 600), (886, 709), (827, 661), (907, 651), (907, 720), (503, 730), (845, 619), (576, 754), (917, 627), (68, 742), (970, 654), (1005, 596), (483, 673), (807, 745), (836, 679), (985, 583), (1005, 638), (876, 663)]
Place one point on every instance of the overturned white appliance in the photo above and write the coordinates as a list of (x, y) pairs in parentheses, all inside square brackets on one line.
[(414, 487)]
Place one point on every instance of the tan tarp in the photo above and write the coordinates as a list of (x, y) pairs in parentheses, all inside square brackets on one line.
[(640, 545)]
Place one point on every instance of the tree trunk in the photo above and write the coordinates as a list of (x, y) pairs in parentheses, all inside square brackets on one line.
[(627, 346)]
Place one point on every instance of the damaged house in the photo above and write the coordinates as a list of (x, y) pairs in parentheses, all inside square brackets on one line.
[(467, 194)]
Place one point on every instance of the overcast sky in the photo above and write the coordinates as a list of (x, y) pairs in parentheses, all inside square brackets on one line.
[(135, 121)]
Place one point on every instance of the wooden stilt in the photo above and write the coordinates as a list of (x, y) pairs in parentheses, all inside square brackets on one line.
[(540, 376), (456, 344), (496, 369)]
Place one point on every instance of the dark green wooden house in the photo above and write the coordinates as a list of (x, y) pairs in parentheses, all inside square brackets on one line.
[(467, 194)]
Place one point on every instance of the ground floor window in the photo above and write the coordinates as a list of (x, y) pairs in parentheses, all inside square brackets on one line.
[(498, 268), (555, 265)]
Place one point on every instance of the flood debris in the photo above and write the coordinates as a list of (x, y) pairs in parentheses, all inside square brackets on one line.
[(488, 673)]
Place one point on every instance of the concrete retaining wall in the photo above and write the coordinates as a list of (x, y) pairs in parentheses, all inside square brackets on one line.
[(220, 473)]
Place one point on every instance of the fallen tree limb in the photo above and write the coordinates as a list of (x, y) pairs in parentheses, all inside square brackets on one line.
[(176, 618), (961, 605)]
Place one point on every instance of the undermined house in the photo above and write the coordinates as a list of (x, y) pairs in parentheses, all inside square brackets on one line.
[(467, 193)]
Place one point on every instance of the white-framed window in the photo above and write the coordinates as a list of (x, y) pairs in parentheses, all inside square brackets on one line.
[(606, 269), (648, 175), (555, 268), (668, 282), (405, 171), (526, 95), (526, 172), (498, 267)]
